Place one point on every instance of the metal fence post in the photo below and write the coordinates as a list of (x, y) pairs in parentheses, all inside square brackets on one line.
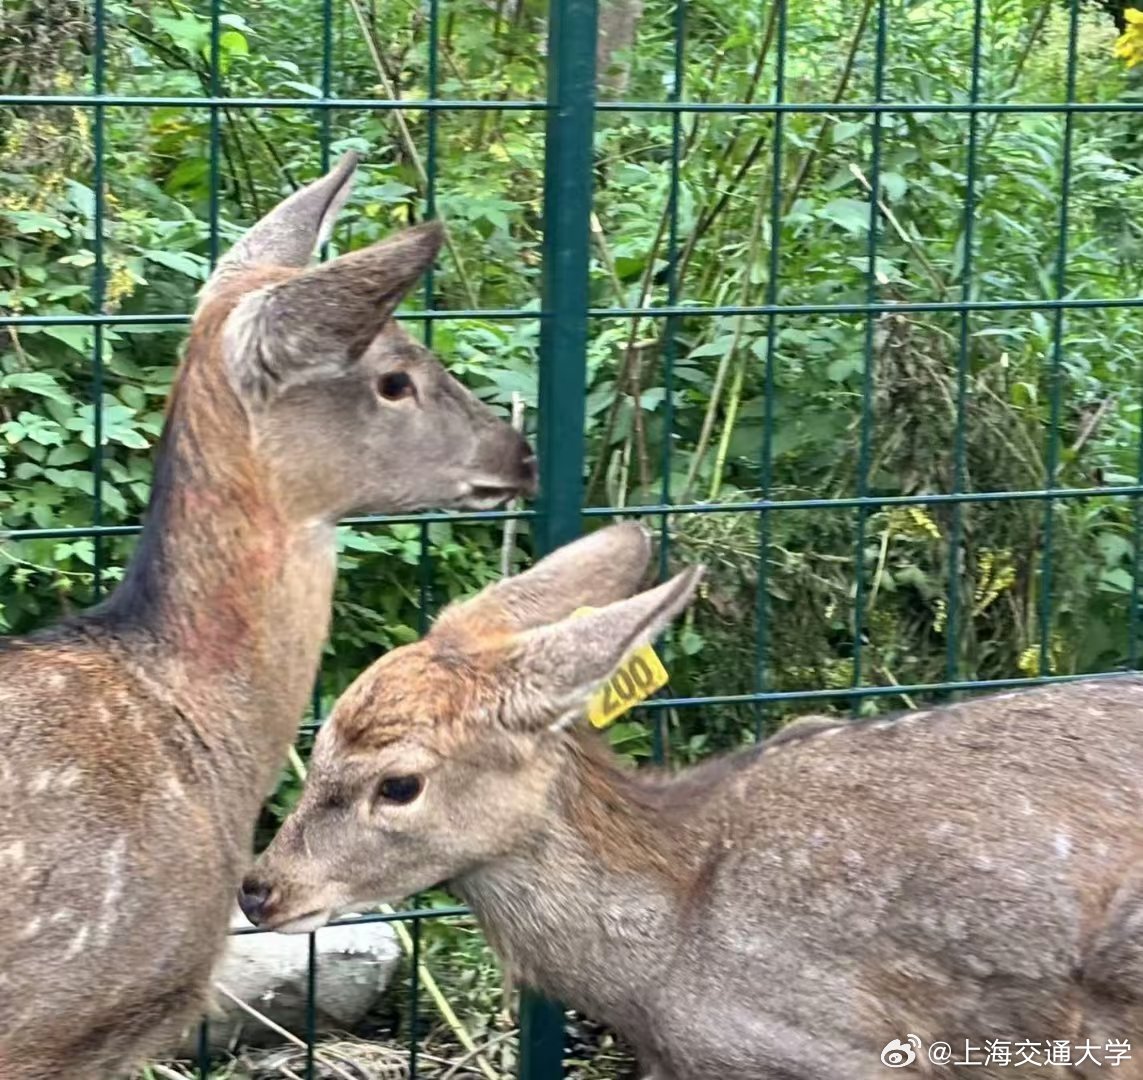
[(563, 362)]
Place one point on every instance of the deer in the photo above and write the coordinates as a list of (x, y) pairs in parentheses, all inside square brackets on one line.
[(830, 903), (141, 736)]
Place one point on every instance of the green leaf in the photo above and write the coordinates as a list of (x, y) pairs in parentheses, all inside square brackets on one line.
[(82, 198), (1116, 580), (185, 262), (187, 174), (690, 641), (844, 130), (187, 31), (82, 549), (72, 479), (234, 43), (718, 347), (235, 22), (41, 430), (81, 258), (842, 368), (303, 88), (389, 192), (133, 397), (120, 425), (851, 214), (30, 222), (69, 454), (112, 497), (1113, 547), (37, 382), (894, 185), (1023, 394), (79, 338)]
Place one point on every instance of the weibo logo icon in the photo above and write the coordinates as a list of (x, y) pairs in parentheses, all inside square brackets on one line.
[(897, 1053)]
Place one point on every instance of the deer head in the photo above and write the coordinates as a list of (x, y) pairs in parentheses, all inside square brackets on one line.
[(442, 755), (343, 409)]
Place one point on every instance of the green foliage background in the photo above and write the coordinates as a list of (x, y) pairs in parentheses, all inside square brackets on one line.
[(697, 435)]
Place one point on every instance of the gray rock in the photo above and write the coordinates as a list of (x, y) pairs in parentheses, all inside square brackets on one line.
[(269, 973)]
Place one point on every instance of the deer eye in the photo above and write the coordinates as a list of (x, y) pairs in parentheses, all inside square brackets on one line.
[(396, 385), (400, 789)]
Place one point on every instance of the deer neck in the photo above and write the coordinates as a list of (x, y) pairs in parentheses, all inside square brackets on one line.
[(587, 908), (226, 599)]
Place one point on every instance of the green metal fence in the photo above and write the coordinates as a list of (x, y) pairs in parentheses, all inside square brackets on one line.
[(567, 317)]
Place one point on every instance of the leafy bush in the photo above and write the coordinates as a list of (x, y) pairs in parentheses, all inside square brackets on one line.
[(724, 408)]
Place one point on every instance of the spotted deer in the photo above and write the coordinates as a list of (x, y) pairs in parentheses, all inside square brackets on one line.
[(140, 738), (971, 872)]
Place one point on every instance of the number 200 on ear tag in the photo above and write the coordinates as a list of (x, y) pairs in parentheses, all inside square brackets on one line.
[(635, 680)]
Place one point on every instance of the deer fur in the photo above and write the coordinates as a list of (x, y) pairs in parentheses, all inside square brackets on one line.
[(784, 912), (141, 737)]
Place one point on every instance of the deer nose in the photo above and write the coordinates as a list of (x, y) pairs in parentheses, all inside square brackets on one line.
[(255, 898)]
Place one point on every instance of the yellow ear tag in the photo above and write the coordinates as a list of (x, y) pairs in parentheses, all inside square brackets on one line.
[(635, 680)]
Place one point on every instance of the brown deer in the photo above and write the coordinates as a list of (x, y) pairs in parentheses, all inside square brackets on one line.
[(140, 738), (826, 906)]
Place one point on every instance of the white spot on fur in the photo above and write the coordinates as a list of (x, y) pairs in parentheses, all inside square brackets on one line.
[(31, 928), (881, 725), (954, 924), (1007, 695), (13, 854), (77, 942), (114, 863), (175, 788), (57, 680), (828, 733), (60, 779), (1026, 807), (1063, 845)]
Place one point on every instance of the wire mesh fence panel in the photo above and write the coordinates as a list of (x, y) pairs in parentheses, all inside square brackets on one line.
[(845, 309)]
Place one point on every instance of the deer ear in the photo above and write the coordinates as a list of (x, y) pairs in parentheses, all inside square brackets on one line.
[(605, 566), (555, 669), (315, 324), (290, 233)]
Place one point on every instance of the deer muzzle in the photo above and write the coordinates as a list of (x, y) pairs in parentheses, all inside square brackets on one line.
[(265, 906)]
